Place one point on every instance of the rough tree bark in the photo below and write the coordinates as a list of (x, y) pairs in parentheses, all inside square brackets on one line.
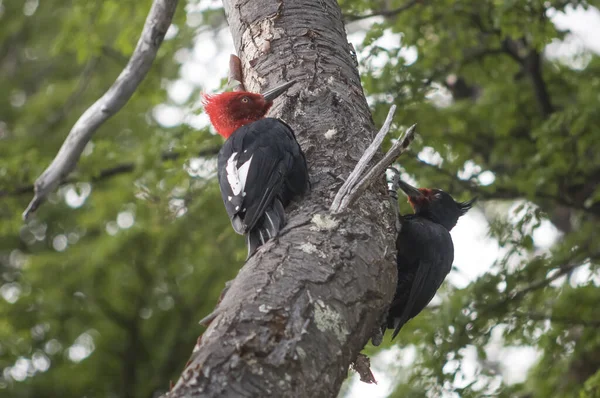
[(303, 307)]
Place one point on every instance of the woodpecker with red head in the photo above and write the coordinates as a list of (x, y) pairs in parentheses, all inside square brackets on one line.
[(261, 167), (425, 249)]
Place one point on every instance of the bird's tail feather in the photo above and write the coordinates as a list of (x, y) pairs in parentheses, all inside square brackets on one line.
[(267, 227), (398, 323)]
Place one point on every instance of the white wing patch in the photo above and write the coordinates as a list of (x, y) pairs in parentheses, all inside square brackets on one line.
[(237, 176)]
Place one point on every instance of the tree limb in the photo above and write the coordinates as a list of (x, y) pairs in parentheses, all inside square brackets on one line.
[(397, 149), (532, 65), (362, 164), (158, 21)]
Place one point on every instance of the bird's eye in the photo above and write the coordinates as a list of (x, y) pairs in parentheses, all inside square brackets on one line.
[(245, 100)]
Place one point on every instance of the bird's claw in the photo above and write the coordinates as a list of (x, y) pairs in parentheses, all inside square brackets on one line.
[(393, 181), (377, 336), (393, 187)]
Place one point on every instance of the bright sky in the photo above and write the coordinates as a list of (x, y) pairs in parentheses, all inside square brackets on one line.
[(208, 62)]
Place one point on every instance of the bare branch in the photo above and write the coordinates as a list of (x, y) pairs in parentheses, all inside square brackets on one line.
[(158, 21), (363, 162), (377, 171)]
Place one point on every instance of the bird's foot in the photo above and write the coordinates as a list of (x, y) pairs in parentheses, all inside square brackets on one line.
[(393, 179), (377, 335)]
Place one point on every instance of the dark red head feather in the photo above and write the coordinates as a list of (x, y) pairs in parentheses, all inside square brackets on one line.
[(418, 201), (232, 110)]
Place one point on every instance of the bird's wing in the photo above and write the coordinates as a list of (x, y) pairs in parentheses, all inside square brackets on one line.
[(253, 165), (435, 262), (267, 175), (232, 179), (415, 291)]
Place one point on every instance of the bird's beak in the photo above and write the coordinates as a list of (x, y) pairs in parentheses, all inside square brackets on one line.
[(410, 191), (273, 93)]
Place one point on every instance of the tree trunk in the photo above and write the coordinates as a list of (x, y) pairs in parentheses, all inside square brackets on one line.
[(302, 308)]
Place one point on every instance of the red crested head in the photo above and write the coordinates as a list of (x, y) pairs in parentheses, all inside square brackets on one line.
[(232, 110)]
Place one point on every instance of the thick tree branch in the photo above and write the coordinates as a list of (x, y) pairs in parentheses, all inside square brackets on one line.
[(531, 62), (158, 21), (533, 65), (306, 303)]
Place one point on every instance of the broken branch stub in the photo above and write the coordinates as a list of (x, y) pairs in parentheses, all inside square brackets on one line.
[(362, 366), (397, 149), (363, 162), (235, 79), (156, 26), (354, 185)]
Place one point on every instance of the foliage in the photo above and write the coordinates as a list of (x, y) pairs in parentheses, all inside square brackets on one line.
[(109, 280), (508, 124), (103, 289)]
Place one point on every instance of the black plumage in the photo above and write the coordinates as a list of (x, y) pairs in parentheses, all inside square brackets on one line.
[(425, 251), (261, 168)]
